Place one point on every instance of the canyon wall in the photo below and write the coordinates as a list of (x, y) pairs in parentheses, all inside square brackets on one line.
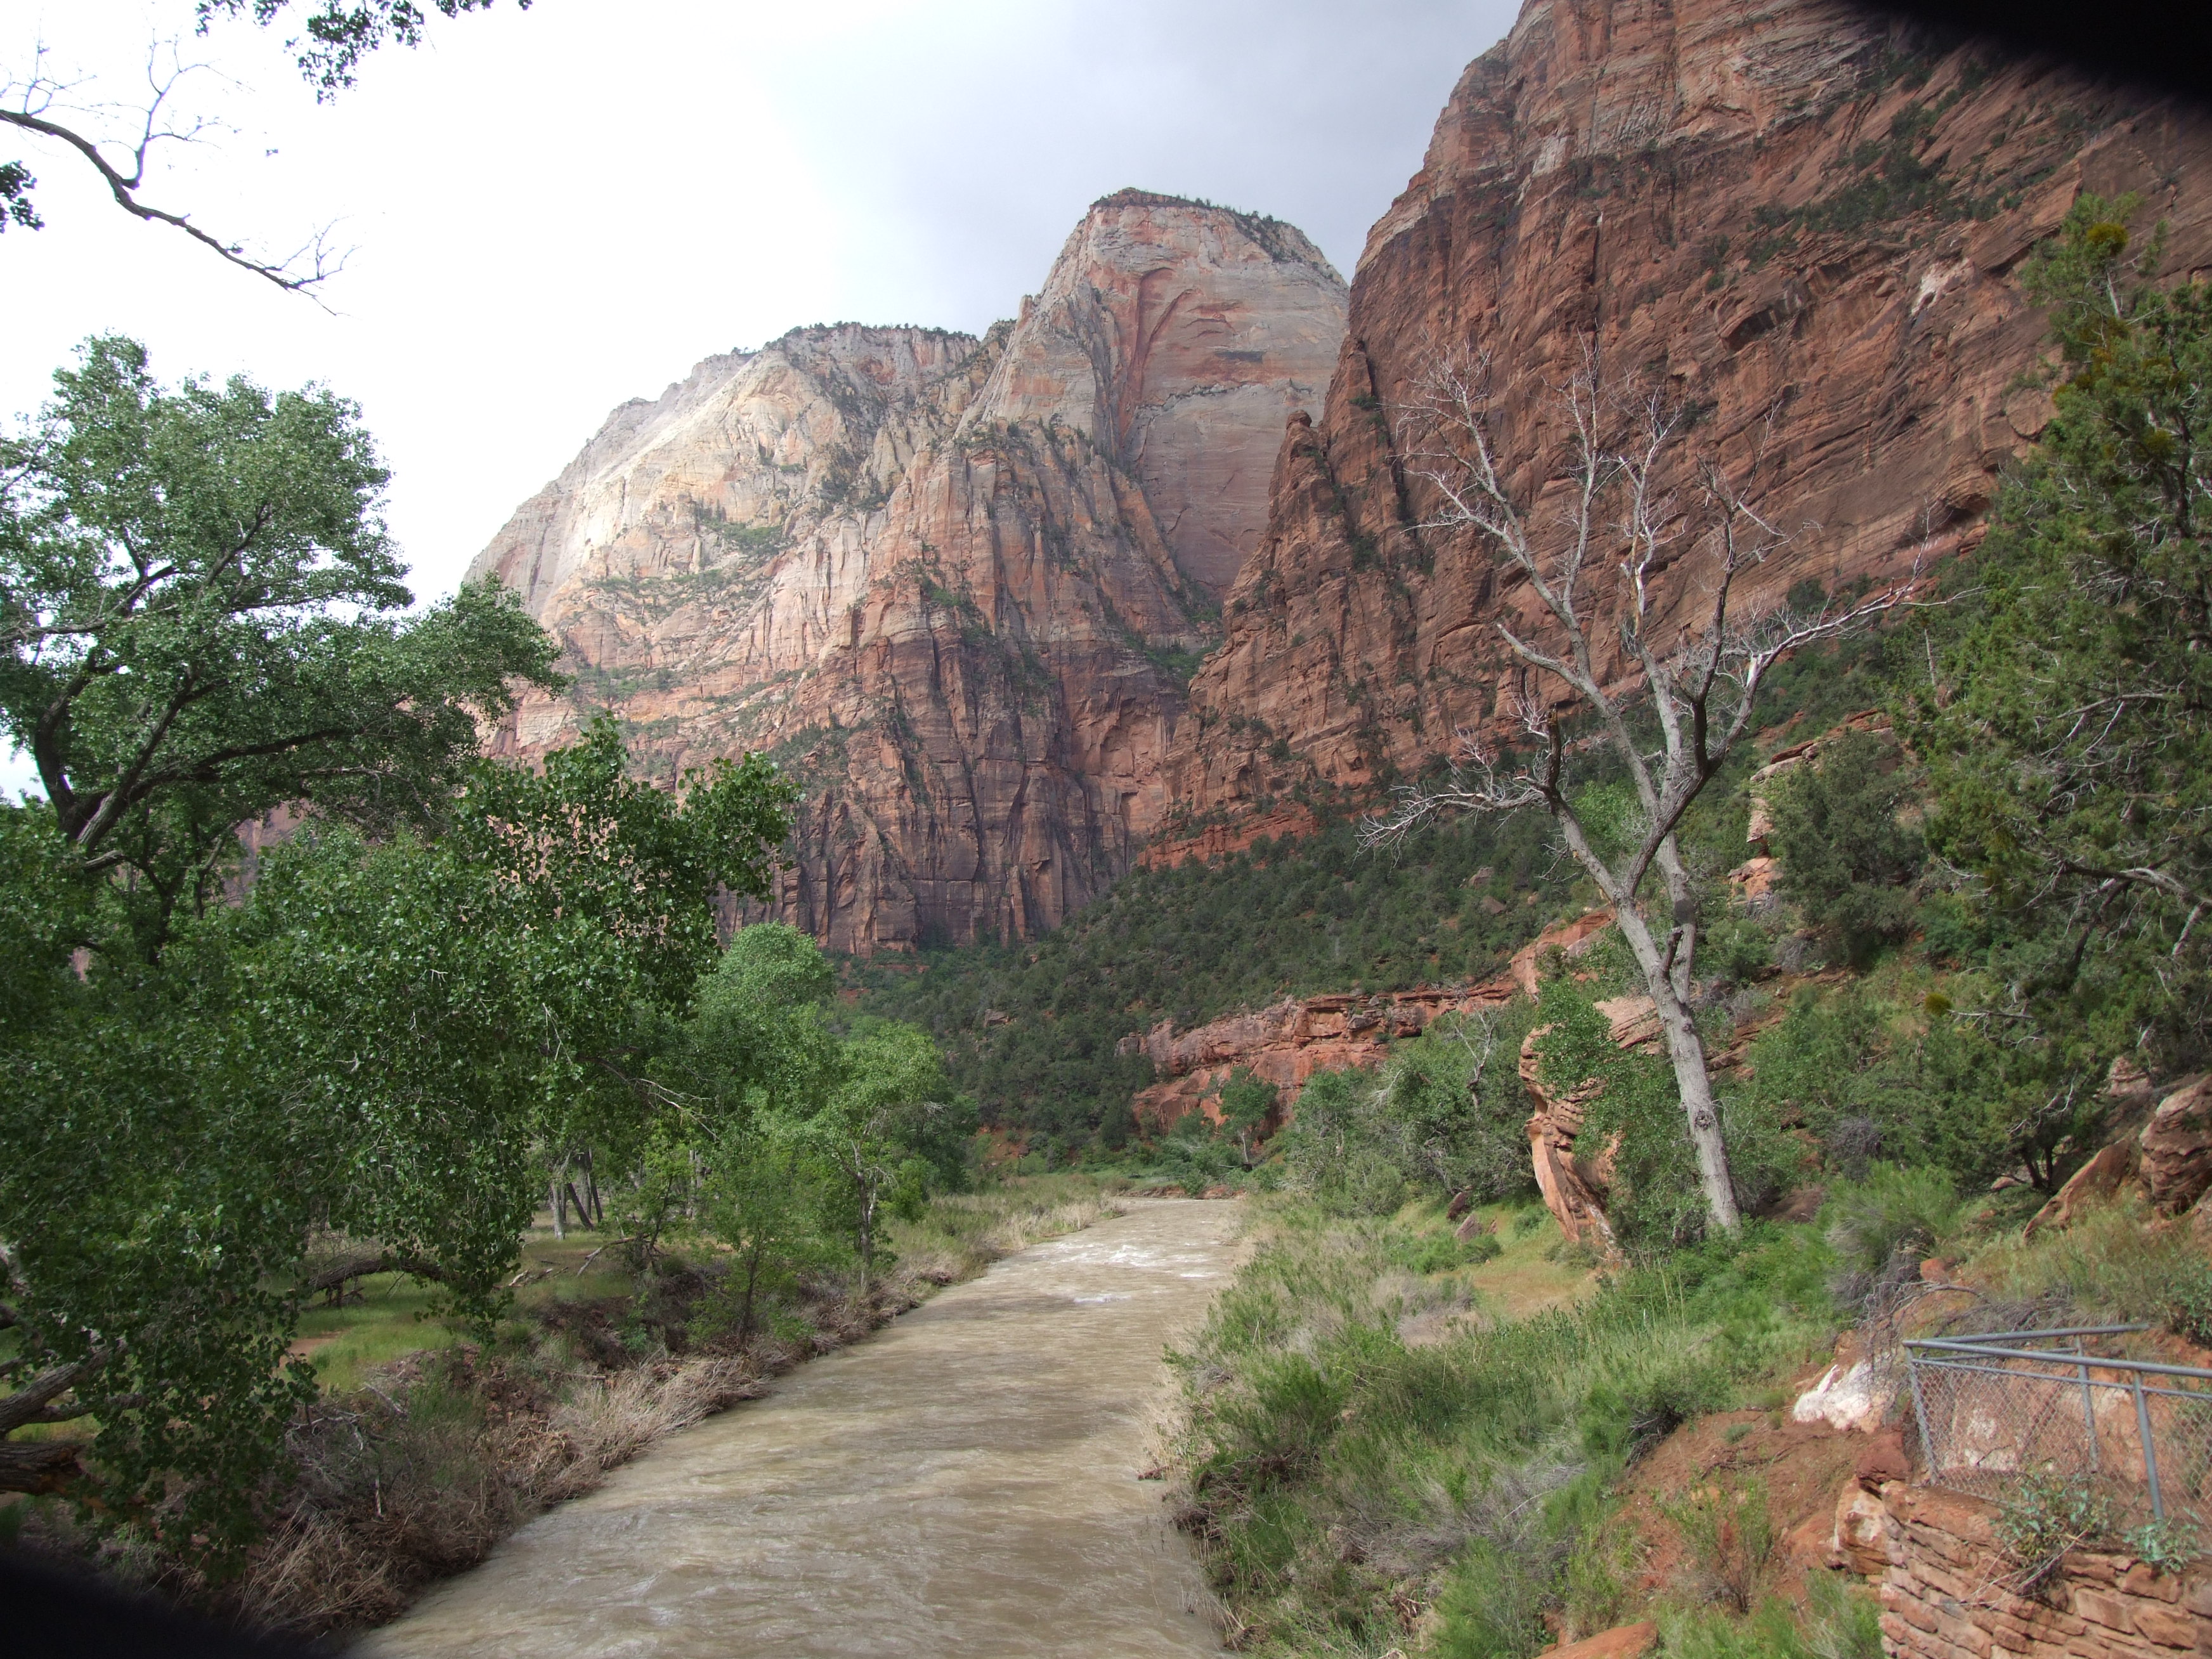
[(953, 585), (1798, 220)]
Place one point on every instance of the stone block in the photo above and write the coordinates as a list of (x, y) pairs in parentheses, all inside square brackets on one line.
[(1918, 1615), (2168, 1626), (2145, 1580), (2103, 1607)]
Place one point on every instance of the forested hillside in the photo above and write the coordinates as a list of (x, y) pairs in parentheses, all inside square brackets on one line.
[(1030, 1029)]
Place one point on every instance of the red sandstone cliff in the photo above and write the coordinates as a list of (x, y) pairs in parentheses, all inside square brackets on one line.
[(1795, 214), (945, 581)]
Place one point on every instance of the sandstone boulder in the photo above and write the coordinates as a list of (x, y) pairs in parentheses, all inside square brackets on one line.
[(1859, 1543), (2097, 1181), (2176, 1165)]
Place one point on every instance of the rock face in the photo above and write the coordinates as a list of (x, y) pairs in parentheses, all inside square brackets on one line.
[(1576, 1183), (952, 585), (1287, 1042), (2177, 1148), (1800, 219)]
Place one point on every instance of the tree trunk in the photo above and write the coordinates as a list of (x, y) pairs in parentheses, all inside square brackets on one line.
[(340, 1274), (1686, 1050), (39, 1467), (557, 1203), (598, 1210), (752, 1283)]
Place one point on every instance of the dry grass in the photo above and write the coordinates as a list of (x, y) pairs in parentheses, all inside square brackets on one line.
[(962, 1234), (425, 1451), (422, 1470)]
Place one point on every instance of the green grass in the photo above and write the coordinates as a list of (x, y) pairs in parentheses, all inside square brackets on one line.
[(387, 1316), (395, 1316), (1361, 1438)]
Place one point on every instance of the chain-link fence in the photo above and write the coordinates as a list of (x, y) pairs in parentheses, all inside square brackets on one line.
[(2000, 1412)]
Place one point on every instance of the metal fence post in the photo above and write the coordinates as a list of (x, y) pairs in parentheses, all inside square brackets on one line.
[(1920, 1414), (2088, 1412), (2150, 1456)]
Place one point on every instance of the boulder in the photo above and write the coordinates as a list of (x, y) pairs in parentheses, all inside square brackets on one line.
[(1858, 1396), (2095, 1182), (2176, 1161), (1882, 1460), (1861, 1542)]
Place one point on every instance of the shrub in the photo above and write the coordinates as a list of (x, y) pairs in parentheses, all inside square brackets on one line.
[(1438, 1253), (1846, 858), (2112, 1264), (1918, 1084), (1656, 1203), (1731, 1537), (2043, 1519), (1444, 1115), (1840, 1622), (1895, 1212)]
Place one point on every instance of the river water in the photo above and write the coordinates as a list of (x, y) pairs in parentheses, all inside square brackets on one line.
[(963, 1483)]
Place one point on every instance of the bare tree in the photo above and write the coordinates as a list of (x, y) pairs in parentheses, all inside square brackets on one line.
[(118, 140), (1619, 528), (39, 104)]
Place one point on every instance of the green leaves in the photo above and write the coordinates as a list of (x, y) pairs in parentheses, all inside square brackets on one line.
[(1847, 857), (202, 616), (2070, 742)]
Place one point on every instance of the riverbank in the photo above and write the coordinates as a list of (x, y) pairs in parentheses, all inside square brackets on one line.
[(426, 1447), (976, 1479)]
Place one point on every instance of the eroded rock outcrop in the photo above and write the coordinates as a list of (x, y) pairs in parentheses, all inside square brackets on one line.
[(1288, 1041), (1800, 217), (952, 585), (1575, 1180)]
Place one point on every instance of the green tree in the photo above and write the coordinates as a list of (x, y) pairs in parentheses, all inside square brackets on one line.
[(379, 1040), (447, 967), (204, 621), (888, 1111), (754, 1198), (1847, 856), (2069, 735), (1246, 1101)]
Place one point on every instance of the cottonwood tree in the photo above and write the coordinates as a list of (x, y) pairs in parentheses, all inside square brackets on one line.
[(1696, 664), (447, 965), (336, 35), (376, 1042), (202, 619)]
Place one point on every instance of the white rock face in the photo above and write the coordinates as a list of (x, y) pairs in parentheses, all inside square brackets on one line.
[(952, 585), (1854, 1398)]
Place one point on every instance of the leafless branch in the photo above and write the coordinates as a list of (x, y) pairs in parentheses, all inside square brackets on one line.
[(35, 104)]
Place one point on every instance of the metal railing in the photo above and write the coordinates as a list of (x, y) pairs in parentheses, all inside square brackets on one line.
[(1999, 1410)]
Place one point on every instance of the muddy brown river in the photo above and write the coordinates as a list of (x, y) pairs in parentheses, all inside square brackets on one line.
[(963, 1483)]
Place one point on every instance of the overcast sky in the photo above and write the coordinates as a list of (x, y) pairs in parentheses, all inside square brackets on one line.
[(551, 212)]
